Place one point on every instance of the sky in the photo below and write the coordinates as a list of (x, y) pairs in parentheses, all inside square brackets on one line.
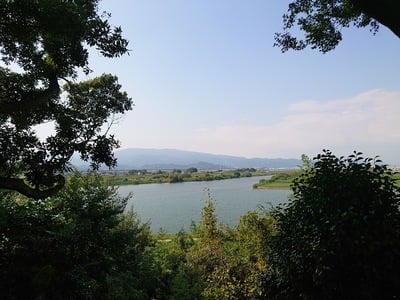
[(204, 76)]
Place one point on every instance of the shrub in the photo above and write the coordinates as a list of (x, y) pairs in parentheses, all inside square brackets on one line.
[(339, 236)]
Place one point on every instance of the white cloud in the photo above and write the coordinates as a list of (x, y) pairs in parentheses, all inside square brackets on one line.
[(368, 122)]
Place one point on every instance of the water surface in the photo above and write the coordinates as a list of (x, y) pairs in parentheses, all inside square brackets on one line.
[(173, 206)]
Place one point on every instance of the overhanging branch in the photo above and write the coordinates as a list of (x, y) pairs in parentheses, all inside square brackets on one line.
[(386, 12), (18, 185)]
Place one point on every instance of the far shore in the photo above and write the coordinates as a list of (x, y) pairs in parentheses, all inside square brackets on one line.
[(272, 188)]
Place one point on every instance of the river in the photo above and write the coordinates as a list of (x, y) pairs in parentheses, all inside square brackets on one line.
[(172, 206)]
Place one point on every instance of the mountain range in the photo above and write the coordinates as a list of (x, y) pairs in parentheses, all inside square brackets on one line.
[(165, 159)]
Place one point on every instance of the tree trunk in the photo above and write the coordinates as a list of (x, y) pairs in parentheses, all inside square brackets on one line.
[(386, 12)]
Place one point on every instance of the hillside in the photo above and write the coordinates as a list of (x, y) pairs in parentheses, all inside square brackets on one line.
[(138, 158)]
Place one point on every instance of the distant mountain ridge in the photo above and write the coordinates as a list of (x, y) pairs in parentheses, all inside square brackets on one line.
[(162, 159)]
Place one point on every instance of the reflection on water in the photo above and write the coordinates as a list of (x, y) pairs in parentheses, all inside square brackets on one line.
[(174, 206)]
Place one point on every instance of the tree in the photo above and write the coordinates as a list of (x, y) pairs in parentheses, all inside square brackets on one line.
[(76, 245), (307, 163), (322, 21), (191, 170), (42, 45), (339, 236), (254, 232), (230, 263), (206, 255)]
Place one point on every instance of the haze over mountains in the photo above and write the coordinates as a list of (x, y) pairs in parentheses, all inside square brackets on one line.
[(164, 159)]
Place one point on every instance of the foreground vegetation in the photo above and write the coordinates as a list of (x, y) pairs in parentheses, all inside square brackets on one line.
[(77, 244), (174, 176), (81, 245), (338, 237)]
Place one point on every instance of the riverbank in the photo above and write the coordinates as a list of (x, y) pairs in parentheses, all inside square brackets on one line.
[(136, 177), (280, 180), (283, 187), (283, 180)]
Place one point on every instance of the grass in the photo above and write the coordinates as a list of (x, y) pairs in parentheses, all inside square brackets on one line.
[(284, 179), (281, 179)]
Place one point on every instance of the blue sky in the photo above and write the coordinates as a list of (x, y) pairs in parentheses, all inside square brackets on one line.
[(204, 76)]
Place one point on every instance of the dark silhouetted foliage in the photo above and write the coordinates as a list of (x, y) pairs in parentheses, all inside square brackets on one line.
[(76, 245), (339, 235), (43, 47), (322, 21)]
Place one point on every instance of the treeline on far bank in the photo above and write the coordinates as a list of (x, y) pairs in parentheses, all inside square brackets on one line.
[(176, 175)]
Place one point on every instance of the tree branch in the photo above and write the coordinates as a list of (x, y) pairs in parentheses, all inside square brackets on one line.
[(17, 184), (386, 12)]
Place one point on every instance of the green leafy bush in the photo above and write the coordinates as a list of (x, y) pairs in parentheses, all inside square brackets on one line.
[(76, 245), (339, 236)]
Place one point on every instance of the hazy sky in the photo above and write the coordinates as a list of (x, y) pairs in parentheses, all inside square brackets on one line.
[(204, 76)]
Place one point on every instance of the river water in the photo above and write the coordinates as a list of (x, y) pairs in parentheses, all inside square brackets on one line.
[(172, 206)]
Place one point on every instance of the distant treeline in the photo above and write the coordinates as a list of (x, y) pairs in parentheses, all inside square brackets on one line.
[(177, 175)]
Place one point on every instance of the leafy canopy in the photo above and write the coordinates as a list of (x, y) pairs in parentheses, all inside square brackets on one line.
[(339, 236), (77, 244), (323, 20), (43, 46)]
